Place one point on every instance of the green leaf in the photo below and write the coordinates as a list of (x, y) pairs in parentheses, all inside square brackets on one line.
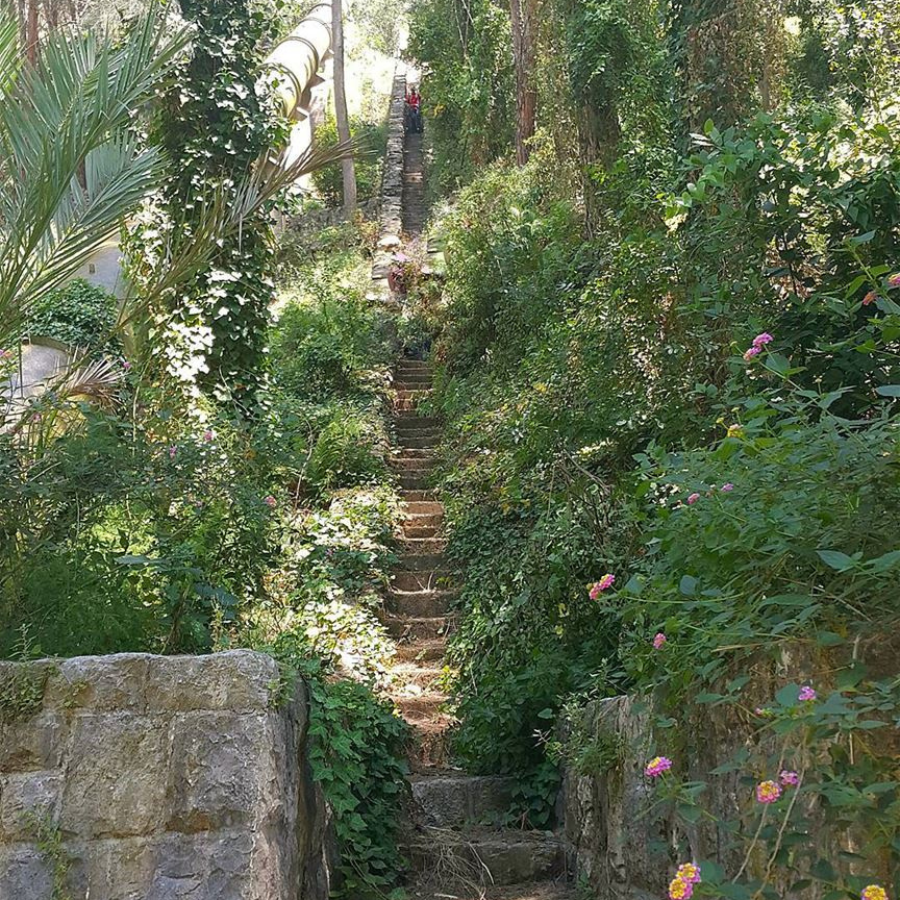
[(836, 559), (687, 585), (888, 390)]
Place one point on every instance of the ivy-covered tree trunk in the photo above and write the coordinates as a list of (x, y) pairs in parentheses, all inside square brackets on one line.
[(215, 128), (348, 169), (522, 21), (728, 56)]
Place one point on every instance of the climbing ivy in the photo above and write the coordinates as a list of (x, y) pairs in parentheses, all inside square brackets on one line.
[(216, 124), (356, 753)]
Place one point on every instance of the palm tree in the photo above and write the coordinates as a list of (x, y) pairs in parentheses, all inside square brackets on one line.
[(71, 165)]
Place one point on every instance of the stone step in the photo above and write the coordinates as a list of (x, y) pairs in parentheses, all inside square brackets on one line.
[(423, 520), (414, 482), (407, 424), (421, 581), (413, 464), (420, 604), (418, 497), (410, 530), (422, 546), (415, 453), (423, 562), (423, 508), (427, 650), (424, 441), (413, 628), (500, 857), (421, 705), (411, 390), (405, 411), (456, 800), (424, 676), (430, 747), (419, 365)]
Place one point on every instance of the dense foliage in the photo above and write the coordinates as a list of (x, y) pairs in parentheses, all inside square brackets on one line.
[(669, 371)]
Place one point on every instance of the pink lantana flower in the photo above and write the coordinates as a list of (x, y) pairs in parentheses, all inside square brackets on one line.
[(657, 766), (680, 889), (874, 892), (606, 582), (768, 791), (728, 486), (693, 499), (659, 640), (789, 779), (761, 340), (894, 280), (751, 352), (870, 298), (271, 502), (208, 436), (172, 451), (689, 872), (807, 693)]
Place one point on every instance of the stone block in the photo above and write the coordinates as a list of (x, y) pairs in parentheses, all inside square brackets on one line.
[(38, 793), (33, 744), (234, 680), (116, 775), (214, 778), (24, 874), (103, 683)]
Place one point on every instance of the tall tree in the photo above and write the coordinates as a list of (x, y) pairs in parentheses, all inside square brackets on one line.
[(522, 15), (340, 104)]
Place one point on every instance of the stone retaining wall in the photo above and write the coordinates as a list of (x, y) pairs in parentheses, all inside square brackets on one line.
[(157, 778), (391, 205), (628, 846)]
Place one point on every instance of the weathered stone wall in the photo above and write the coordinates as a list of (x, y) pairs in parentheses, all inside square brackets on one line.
[(391, 205), (159, 778)]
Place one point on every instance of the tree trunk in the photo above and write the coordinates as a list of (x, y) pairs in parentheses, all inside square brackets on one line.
[(522, 19), (31, 32), (340, 104)]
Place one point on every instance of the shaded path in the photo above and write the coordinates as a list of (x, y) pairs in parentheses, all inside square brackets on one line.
[(415, 212), (453, 847)]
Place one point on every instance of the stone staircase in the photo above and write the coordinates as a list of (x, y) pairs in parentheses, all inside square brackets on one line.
[(453, 847)]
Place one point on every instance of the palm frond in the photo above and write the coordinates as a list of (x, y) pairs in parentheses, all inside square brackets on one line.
[(10, 58), (69, 173)]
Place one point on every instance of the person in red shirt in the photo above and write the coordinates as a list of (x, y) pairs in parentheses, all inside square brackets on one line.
[(414, 109)]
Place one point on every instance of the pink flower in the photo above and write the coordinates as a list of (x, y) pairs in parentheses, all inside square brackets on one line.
[(126, 365), (172, 451), (693, 499), (874, 892), (659, 640), (762, 711), (894, 280), (680, 889), (271, 502), (768, 791), (657, 766), (208, 436), (870, 298), (761, 340), (5, 354), (806, 693), (789, 779), (753, 351), (606, 582), (728, 486), (689, 872)]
